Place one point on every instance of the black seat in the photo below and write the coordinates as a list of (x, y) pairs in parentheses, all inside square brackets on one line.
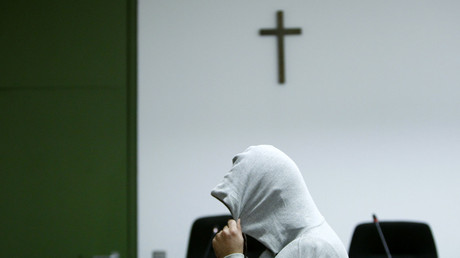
[(404, 239), (200, 242)]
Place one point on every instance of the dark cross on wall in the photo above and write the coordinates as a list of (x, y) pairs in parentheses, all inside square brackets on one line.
[(280, 32)]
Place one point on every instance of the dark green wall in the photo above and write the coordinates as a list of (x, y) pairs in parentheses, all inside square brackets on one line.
[(68, 128)]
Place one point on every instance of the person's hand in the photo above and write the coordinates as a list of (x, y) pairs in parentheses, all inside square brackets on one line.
[(229, 240)]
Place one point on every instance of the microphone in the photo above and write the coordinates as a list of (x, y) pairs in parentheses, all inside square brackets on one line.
[(382, 238), (245, 245), (215, 229)]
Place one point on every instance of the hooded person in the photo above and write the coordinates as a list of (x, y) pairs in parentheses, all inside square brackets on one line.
[(267, 193)]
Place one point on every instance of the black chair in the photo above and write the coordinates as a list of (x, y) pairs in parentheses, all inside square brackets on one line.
[(404, 239), (202, 233)]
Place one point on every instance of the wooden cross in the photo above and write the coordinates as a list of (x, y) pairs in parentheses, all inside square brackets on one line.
[(280, 32)]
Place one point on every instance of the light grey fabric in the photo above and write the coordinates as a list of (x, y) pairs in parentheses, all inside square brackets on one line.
[(236, 255), (266, 190)]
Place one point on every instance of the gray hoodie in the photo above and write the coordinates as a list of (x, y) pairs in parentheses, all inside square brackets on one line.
[(266, 190)]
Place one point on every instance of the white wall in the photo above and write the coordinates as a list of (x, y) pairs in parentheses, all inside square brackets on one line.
[(370, 111)]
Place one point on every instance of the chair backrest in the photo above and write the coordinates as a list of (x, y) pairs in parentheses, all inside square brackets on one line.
[(404, 239), (201, 234)]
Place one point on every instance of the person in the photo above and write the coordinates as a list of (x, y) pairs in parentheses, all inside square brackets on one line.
[(269, 200)]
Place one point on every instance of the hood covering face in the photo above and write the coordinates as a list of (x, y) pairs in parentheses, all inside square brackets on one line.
[(266, 190)]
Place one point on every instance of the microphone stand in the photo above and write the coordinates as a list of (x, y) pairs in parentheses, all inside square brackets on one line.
[(382, 238), (214, 232)]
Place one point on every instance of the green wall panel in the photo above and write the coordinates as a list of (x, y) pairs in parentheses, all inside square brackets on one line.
[(63, 159), (67, 128), (63, 43)]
